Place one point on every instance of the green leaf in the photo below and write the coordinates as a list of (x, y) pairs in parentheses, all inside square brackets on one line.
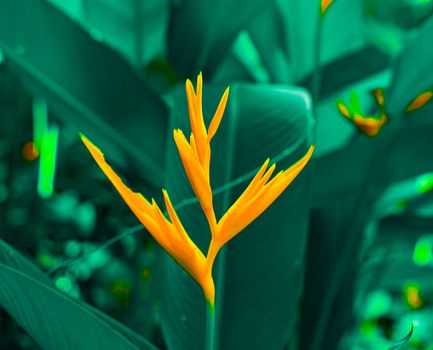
[(201, 33), (135, 28), (32, 299), (269, 34), (259, 273), (85, 84), (402, 341)]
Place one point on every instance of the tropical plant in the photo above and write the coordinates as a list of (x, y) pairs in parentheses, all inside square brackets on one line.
[(342, 259)]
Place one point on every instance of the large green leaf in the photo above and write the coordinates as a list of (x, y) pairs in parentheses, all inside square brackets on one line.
[(259, 273), (135, 28), (85, 84), (201, 33), (33, 300)]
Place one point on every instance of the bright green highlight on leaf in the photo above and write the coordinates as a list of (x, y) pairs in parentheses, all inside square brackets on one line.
[(422, 254), (425, 183), (47, 165), (47, 260), (246, 52), (421, 2), (40, 121), (64, 284), (378, 303)]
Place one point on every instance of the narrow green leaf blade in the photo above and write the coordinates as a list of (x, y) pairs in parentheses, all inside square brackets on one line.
[(402, 341)]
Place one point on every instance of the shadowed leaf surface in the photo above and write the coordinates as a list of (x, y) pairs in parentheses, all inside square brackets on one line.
[(135, 28), (200, 33)]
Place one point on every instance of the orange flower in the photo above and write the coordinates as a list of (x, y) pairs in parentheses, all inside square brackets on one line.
[(170, 235), (324, 5), (420, 101), (196, 155), (369, 125), (256, 198)]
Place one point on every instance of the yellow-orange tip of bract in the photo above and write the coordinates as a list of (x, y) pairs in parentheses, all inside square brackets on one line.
[(420, 101), (325, 5)]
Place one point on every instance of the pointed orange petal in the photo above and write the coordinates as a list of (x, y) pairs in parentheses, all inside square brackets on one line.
[(420, 101), (216, 120), (246, 213), (199, 96), (175, 219), (249, 192), (369, 125), (131, 198), (196, 175), (379, 96), (343, 109), (266, 176), (142, 209), (190, 95), (197, 122), (325, 4), (174, 240)]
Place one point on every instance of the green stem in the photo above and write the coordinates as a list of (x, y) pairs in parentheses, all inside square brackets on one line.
[(210, 326)]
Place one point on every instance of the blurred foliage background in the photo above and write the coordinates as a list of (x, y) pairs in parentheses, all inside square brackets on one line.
[(343, 260)]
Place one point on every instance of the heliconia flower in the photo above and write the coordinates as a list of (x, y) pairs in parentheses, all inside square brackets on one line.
[(170, 235), (195, 155), (257, 197), (369, 125), (420, 101), (324, 5)]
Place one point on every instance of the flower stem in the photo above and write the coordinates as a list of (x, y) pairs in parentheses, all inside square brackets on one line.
[(210, 326)]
